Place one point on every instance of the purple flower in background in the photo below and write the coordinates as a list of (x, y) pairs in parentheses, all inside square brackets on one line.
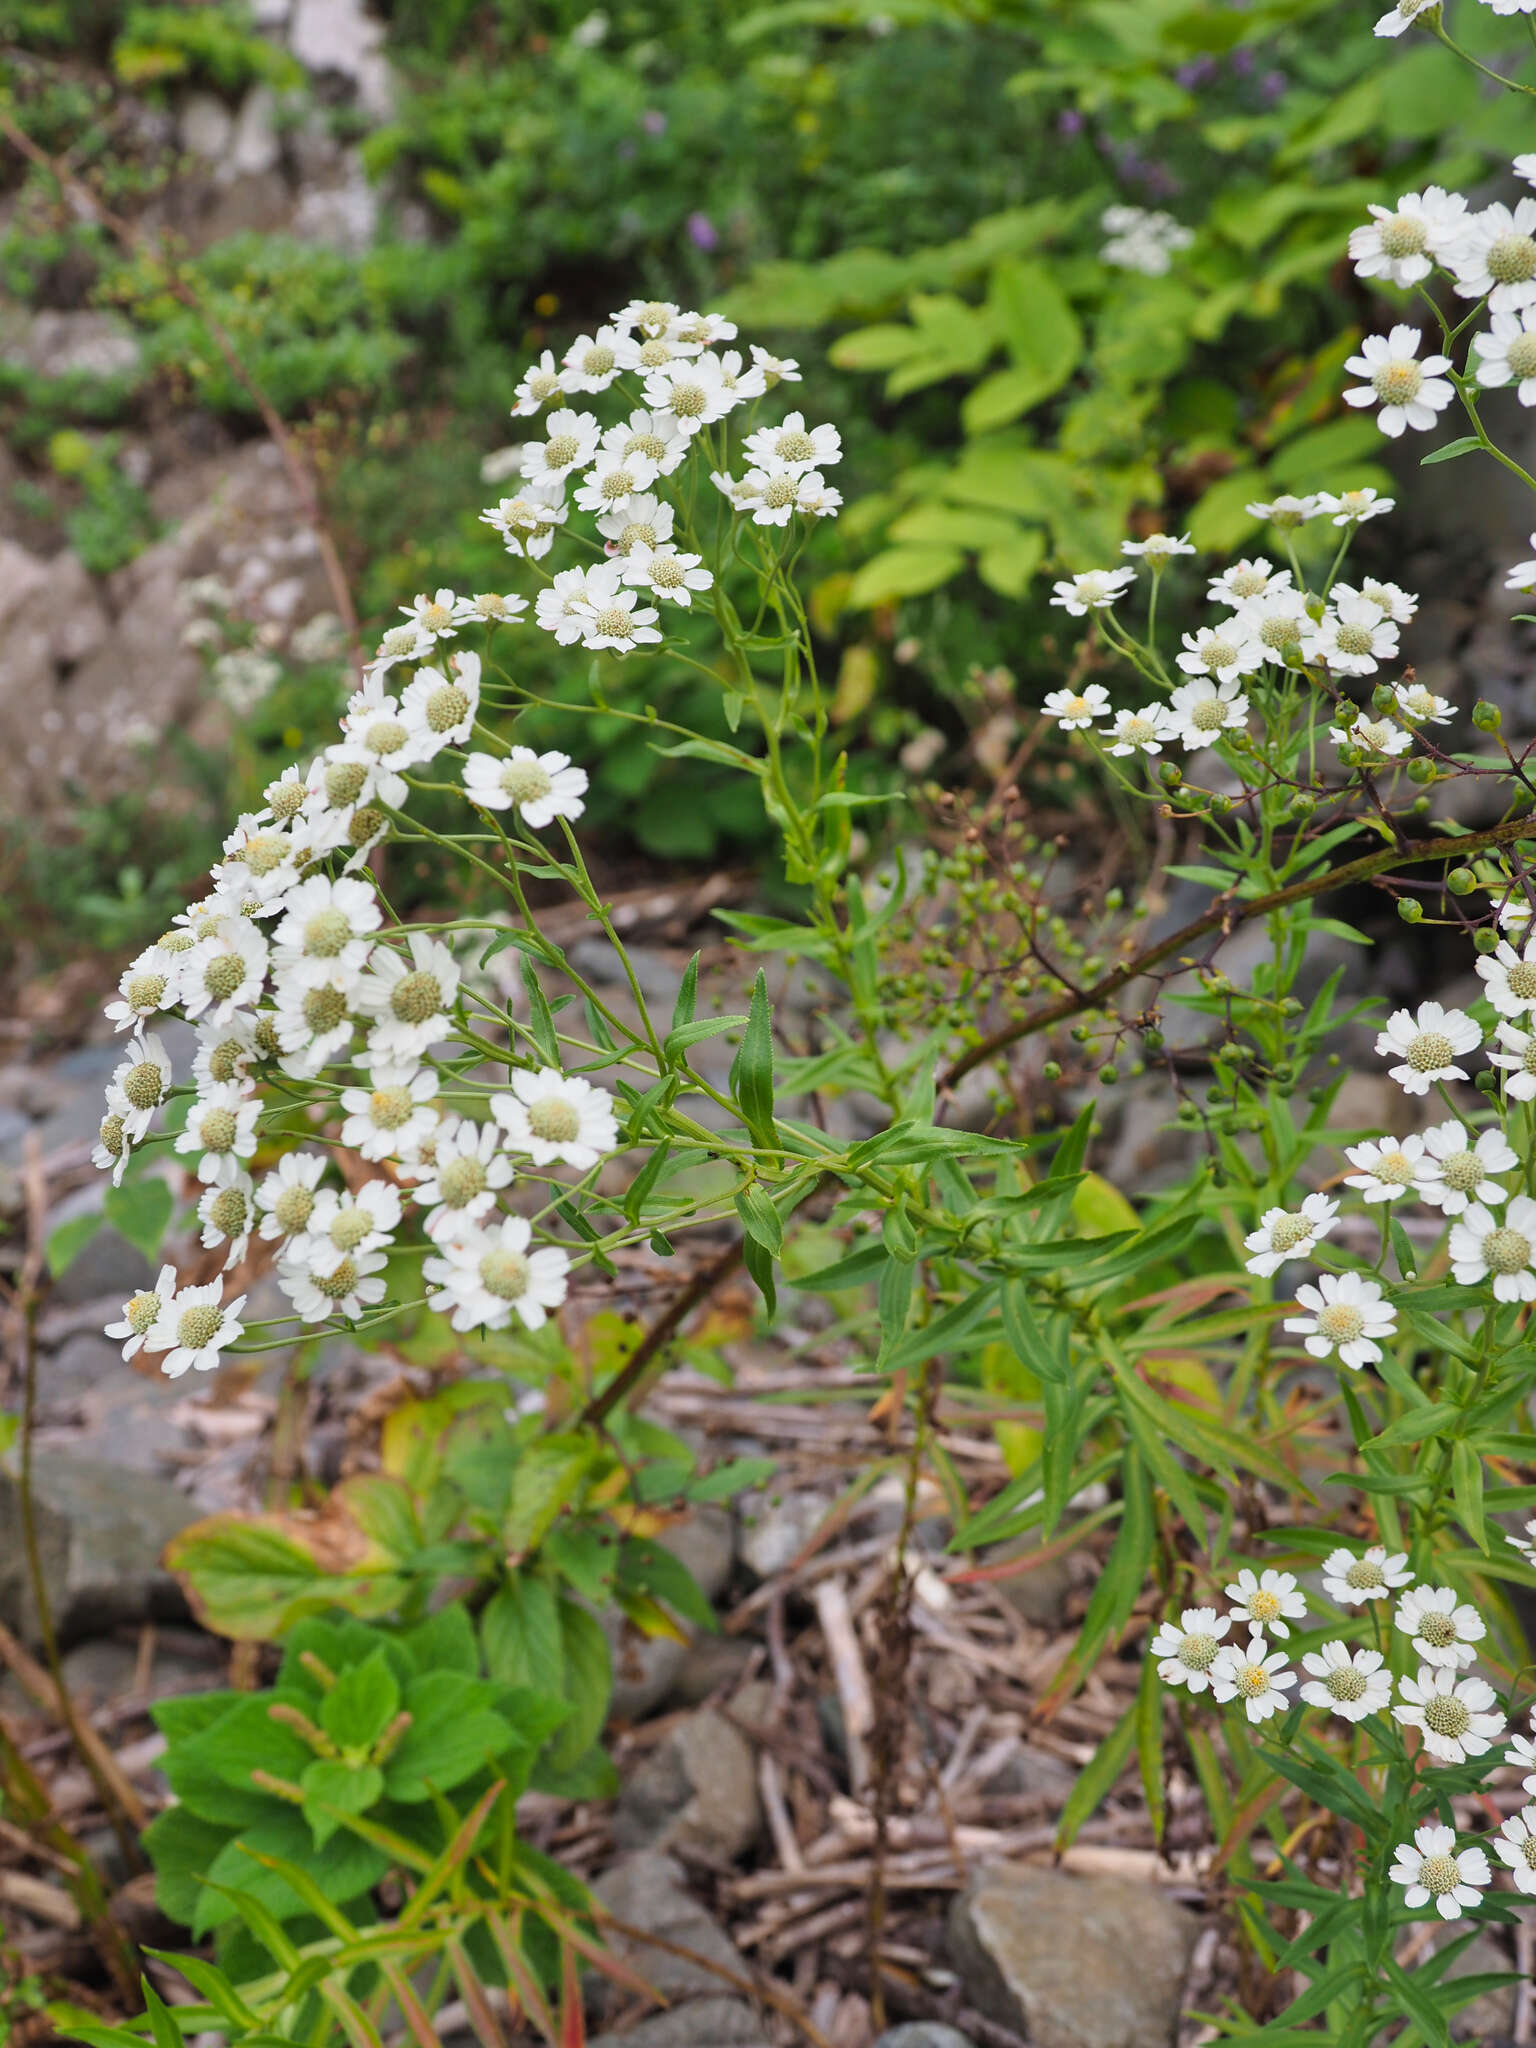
[(1197, 72), (1069, 122), (653, 121), (1273, 86), (1241, 61), (702, 232)]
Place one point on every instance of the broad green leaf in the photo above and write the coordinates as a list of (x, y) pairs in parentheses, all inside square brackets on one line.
[(903, 572), (140, 1210)]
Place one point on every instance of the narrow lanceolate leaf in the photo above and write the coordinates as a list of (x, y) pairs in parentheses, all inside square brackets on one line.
[(752, 1068), (1149, 1743), (1467, 1491), (1097, 1779)]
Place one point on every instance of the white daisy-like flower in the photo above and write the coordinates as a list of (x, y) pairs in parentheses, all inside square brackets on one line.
[(1525, 167), (1459, 1169), (193, 1328), (1521, 1756), (742, 492), (228, 1051), (1095, 590), (1354, 508), (460, 1185), (1430, 1867), (1349, 1683), (386, 1119), (485, 1277), (542, 787), (613, 480), (225, 972), (221, 1125), (378, 740), (287, 1195), (593, 360), (1200, 711), (1420, 705), (1247, 580), (539, 383), (1516, 1849), (1508, 354), (778, 369), (562, 608), (557, 1117), (1188, 1651), (1482, 1245), (1289, 1234), (400, 643), (227, 1209), (665, 573), (776, 494), (654, 435), (1278, 623), (325, 934), (1377, 736), (1514, 911), (527, 522), (1142, 239), (645, 521), (655, 319), (1455, 1714), (264, 861), (1222, 652), (363, 1220), (1427, 1045), (1159, 549), (142, 1311), (409, 999), (616, 619), (1510, 977), (1287, 511), (146, 987), (1267, 1601), (1374, 1574), (1387, 1167), (1518, 1059), (1497, 257), (693, 392), (740, 379), (1346, 1315), (815, 498), (439, 710), (1253, 1673), (1140, 732), (313, 1023), (114, 1144), (1075, 709), (1443, 1629), (322, 1280), (793, 445), (436, 616), (570, 442), (1402, 244), (703, 330), (1390, 599), (1353, 637), (143, 1081), (489, 608)]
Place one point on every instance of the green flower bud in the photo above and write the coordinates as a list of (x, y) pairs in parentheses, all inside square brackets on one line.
[(1409, 909), (1170, 774), (1383, 698), (1461, 881), (1487, 1081), (1303, 804), (1051, 1071), (1485, 716), (1485, 939), (1108, 1076), (1420, 807), (1423, 771), (1220, 805), (1152, 1039)]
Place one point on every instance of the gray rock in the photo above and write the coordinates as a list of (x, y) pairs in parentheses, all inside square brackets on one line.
[(101, 1531), (645, 1668), (1494, 2013), (924, 2034), (340, 37), (340, 216), (646, 1892), (205, 127), (1073, 1962), (106, 1265), (255, 146), (701, 2023), (1039, 1594), (696, 1792), (705, 1541), (85, 343), (777, 1534), (712, 1664)]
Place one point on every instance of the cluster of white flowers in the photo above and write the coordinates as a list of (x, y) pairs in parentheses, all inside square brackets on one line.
[(1406, 12), (1140, 239), (287, 965)]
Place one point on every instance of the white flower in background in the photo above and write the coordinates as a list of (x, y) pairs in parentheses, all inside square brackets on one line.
[(1510, 977), (1420, 704), (409, 999), (1403, 244), (704, 330), (193, 1329), (1349, 1683), (142, 1311), (313, 1023), (1254, 1674), (1347, 1314), (1387, 1168), (1525, 167), (776, 494), (1353, 637), (1482, 1245), (816, 498), (460, 1185), (1278, 623), (557, 1117), (1516, 1849), (485, 1277), (665, 573), (1390, 599), (436, 616), (562, 608), (1140, 732), (654, 436), (741, 492), (1375, 1574), (1443, 1630), (1497, 259), (593, 360), (1508, 354), (693, 392), (401, 643), (1201, 711), (1221, 651), (775, 369), (221, 1125), (527, 522), (1244, 581), (1075, 709), (1094, 591), (227, 1209), (646, 521), (322, 1280), (1188, 1651), (439, 710), (1354, 508), (540, 382), (542, 787), (1267, 1601), (653, 318), (224, 973), (570, 443), (393, 1114), (143, 1081), (741, 381), (1430, 1866), (360, 1221), (616, 619), (146, 987), (1460, 1170), (1158, 549), (325, 934), (1518, 1059), (1454, 1713), (1379, 736), (1289, 1234), (1286, 512), (1141, 239), (287, 1195), (613, 480), (113, 1147), (792, 445), (1427, 1045)]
